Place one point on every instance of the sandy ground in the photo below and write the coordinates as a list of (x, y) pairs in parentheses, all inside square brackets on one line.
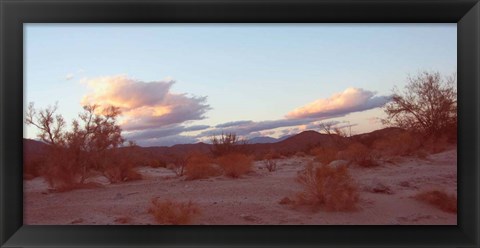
[(254, 198)]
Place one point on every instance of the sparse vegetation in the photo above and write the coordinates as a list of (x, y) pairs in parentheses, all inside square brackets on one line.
[(332, 128), (360, 155), (435, 144), (179, 164), (439, 199), (156, 163), (326, 187), (173, 213), (91, 145), (428, 105), (324, 155), (121, 171), (270, 164), (200, 166), (401, 144), (226, 144), (269, 160), (235, 164)]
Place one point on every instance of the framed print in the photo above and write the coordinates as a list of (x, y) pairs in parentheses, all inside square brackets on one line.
[(258, 123)]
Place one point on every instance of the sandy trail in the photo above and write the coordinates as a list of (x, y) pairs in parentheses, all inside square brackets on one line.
[(254, 198)]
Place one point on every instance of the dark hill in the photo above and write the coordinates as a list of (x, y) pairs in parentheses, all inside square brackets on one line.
[(301, 142), (368, 138)]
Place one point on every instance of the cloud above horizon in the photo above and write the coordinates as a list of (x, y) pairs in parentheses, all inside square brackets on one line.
[(340, 104), (168, 141), (154, 116), (145, 105), (306, 117), (244, 128), (163, 132)]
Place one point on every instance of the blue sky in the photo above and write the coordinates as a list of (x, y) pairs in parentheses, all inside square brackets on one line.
[(254, 76)]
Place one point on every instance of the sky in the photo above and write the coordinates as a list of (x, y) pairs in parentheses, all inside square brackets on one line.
[(183, 83)]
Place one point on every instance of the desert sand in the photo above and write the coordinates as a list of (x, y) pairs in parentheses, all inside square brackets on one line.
[(386, 196)]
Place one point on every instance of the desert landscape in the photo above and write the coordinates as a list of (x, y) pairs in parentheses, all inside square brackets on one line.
[(265, 124), (387, 194)]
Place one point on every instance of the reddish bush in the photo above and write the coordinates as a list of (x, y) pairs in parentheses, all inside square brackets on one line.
[(61, 171), (92, 145), (235, 164), (120, 170), (178, 165), (439, 199), (360, 154), (32, 167), (272, 154), (116, 174), (199, 166), (227, 143), (156, 163), (327, 187), (436, 144), (401, 144), (173, 213), (324, 155)]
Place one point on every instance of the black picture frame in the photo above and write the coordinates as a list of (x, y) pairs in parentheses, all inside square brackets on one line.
[(14, 13)]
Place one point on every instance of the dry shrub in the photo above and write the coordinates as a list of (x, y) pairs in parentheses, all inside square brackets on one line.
[(179, 164), (439, 199), (272, 154), (327, 187), (270, 164), (32, 167), (61, 171), (235, 164), (200, 166), (360, 154), (173, 213), (120, 170), (269, 160), (324, 155), (156, 163), (63, 180), (436, 144), (227, 143), (401, 144)]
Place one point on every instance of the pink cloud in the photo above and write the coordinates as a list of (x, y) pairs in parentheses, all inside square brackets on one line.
[(348, 101), (145, 105)]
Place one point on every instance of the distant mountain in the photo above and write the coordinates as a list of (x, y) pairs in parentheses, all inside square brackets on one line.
[(267, 139), (285, 137), (34, 147), (261, 139), (258, 146)]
